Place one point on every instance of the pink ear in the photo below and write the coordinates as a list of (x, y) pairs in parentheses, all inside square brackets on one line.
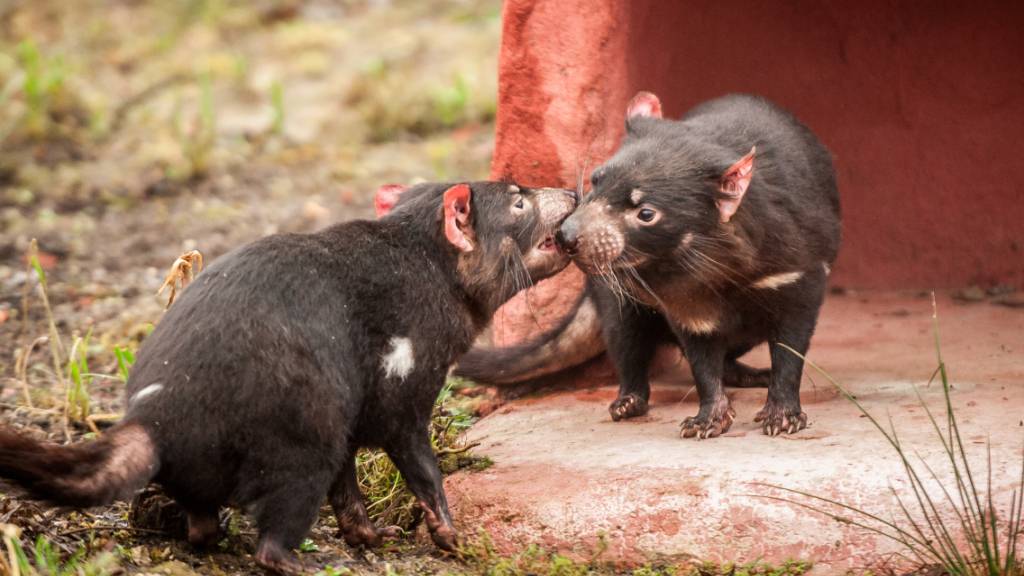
[(386, 198), (456, 216), (734, 185), (644, 104)]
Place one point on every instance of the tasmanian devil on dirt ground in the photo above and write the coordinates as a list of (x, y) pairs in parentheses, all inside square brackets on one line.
[(716, 232), (287, 355)]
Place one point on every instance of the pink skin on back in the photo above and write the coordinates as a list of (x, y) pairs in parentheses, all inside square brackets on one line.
[(386, 198)]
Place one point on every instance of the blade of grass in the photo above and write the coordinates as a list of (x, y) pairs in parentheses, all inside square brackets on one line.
[(976, 513), (890, 438), (56, 346), (949, 448), (899, 537), (21, 369)]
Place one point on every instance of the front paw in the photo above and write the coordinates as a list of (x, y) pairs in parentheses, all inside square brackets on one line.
[(367, 535), (776, 418), (710, 421), (628, 406)]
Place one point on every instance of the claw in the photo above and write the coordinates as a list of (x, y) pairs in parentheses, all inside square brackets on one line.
[(705, 427), (779, 420), (627, 406)]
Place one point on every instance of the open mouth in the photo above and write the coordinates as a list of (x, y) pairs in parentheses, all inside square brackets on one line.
[(548, 244)]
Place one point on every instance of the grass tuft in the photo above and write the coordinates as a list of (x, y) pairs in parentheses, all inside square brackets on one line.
[(45, 559), (958, 529), (391, 108), (198, 141), (388, 500), (125, 359), (79, 378)]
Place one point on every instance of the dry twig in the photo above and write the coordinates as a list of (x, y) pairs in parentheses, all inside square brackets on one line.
[(181, 273)]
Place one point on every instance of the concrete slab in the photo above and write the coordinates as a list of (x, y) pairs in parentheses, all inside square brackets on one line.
[(564, 472)]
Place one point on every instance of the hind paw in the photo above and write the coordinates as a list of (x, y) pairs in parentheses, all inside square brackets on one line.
[(277, 560), (628, 406), (441, 531), (776, 419), (445, 538), (709, 422), (203, 529)]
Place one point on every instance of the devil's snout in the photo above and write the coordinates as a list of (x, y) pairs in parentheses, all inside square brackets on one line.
[(567, 235)]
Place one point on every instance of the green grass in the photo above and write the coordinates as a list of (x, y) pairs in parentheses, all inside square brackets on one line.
[(308, 546), (388, 500), (43, 82), (45, 559), (955, 528), (391, 108), (79, 378), (37, 103), (197, 141), (277, 104), (125, 359)]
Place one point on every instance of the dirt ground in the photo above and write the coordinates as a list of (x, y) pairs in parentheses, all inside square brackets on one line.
[(134, 130)]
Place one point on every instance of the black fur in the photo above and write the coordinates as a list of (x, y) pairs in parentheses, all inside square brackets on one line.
[(720, 287), (271, 368), (652, 286)]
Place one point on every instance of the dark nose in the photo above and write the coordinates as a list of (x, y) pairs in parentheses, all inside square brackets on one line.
[(567, 235)]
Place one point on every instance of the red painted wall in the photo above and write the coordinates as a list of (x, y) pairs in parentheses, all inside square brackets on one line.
[(922, 104)]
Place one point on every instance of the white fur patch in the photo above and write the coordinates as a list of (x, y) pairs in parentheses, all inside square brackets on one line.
[(636, 196), (399, 362), (776, 281), (826, 268), (147, 391)]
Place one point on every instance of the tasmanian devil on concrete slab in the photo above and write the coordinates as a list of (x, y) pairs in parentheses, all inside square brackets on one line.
[(716, 232), (287, 355)]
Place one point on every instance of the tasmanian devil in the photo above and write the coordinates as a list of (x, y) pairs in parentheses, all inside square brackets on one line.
[(716, 232), (285, 356)]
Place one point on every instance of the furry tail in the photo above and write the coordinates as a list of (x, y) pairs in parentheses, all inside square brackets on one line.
[(83, 474), (576, 339)]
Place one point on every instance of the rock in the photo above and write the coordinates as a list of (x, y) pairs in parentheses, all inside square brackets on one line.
[(1015, 300), (972, 293)]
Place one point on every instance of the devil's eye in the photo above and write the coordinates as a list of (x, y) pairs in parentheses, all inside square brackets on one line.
[(519, 203), (646, 214)]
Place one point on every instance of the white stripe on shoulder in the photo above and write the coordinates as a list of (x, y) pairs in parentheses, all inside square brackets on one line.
[(147, 391), (776, 281)]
